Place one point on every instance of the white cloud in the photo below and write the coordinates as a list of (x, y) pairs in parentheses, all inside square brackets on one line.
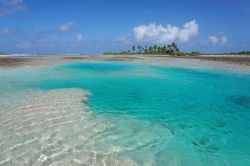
[(7, 31), (79, 37), (218, 39), (165, 34), (224, 40), (66, 27), (213, 40), (8, 7)]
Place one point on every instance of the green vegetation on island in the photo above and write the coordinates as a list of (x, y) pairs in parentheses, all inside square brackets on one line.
[(171, 49), (240, 53), (247, 53)]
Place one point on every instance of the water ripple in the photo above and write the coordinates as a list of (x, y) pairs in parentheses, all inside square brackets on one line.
[(55, 127)]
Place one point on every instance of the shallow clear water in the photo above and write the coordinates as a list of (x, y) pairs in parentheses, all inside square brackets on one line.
[(124, 114)]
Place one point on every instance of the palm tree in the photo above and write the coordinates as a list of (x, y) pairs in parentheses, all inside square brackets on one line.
[(155, 47), (159, 50), (139, 48), (150, 49), (142, 49), (177, 49), (133, 48), (164, 50), (173, 45)]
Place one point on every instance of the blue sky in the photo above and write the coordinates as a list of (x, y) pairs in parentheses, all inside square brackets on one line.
[(96, 26)]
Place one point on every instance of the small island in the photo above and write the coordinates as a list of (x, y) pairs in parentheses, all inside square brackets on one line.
[(170, 50)]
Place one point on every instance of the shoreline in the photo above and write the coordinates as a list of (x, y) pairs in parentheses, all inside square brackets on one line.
[(232, 63), (39, 129)]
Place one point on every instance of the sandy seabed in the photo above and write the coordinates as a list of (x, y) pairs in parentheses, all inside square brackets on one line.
[(55, 127), (39, 129)]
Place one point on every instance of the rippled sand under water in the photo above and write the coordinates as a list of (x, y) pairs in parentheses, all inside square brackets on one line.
[(124, 114), (55, 128)]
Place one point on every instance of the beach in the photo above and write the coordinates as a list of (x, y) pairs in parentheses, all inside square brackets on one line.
[(226, 62)]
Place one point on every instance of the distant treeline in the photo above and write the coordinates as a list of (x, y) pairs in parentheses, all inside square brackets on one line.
[(232, 53), (239, 53), (1, 53), (171, 49)]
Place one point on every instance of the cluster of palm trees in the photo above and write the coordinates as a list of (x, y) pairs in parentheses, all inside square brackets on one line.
[(244, 53), (170, 49)]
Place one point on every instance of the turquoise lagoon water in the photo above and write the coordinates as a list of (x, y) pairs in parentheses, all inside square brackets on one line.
[(135, 115)]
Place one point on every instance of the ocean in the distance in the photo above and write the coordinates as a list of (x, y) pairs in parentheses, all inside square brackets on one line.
[(115, 113)]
